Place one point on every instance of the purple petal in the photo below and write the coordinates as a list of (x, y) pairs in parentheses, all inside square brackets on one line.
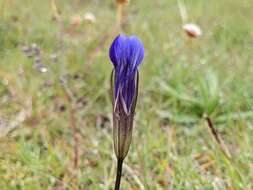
[(126, 53)]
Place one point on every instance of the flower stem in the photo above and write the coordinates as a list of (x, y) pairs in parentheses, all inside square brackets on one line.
[(119, 173), (218, 138), (119, 15)]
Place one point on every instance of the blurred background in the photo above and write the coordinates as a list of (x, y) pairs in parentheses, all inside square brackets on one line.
[(193, 125)]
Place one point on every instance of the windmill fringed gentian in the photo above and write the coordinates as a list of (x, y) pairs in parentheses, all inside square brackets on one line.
[(126, 54)]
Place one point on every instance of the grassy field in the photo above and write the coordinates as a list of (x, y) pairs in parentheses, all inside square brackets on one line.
[(54, 79)]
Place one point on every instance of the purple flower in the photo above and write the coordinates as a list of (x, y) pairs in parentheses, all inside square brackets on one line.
[(126, 53)]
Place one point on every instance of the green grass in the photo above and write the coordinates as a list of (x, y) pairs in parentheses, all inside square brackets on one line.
[(181, 81)]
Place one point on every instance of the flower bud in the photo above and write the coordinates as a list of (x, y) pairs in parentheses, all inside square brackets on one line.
[(89, 18), (126, 53), (122, 1), (192, 30)]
